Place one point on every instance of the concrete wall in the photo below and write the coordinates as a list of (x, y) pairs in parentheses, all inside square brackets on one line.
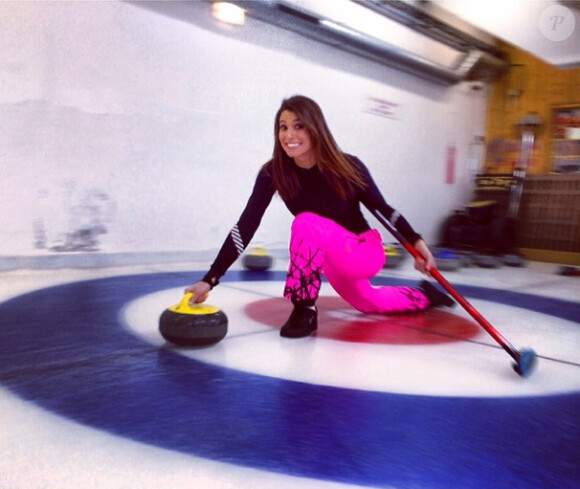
[(130, 128)]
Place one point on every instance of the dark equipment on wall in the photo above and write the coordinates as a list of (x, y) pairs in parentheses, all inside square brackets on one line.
[(489, 223), (483, 225)]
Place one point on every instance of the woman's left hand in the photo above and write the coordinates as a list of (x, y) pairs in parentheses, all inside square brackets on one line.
[(427, 261)]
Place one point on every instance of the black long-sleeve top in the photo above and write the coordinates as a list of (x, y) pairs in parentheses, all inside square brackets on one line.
[(315, 195)]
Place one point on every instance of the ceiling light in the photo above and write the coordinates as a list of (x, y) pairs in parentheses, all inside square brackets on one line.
[(228, 13)]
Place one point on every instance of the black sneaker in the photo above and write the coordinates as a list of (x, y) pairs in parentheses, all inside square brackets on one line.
[(302, 322), (435, 296)]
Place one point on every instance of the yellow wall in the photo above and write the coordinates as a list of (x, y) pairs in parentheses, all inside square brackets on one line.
[(530, 85)]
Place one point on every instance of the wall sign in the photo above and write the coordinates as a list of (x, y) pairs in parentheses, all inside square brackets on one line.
[(382, 107), (450, 163)]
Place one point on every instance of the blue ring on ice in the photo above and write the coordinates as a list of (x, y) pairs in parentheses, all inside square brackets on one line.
[(65, 349)]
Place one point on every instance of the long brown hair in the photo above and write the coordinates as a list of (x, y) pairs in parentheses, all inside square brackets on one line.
[(343, 176)]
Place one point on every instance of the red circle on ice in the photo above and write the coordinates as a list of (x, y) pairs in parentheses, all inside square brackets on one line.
[(338, 321)]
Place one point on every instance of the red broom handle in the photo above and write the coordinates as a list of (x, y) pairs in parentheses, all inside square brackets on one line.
[(485, 324)]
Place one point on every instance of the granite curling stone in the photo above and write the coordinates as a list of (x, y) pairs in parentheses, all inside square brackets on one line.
[(193, 325)]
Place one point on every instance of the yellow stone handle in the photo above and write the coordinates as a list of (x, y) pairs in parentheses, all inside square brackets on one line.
[(183, 307)]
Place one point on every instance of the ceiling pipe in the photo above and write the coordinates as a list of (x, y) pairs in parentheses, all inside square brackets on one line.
[(474, 64), (430, 20)]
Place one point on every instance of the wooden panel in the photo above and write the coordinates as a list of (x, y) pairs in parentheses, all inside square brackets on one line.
[(549, 216), (530, 85)]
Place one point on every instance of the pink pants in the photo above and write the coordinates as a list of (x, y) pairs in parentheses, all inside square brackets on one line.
[(319, 245)]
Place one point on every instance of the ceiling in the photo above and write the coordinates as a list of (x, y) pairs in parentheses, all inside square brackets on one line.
[(446, 41), (549, 29)]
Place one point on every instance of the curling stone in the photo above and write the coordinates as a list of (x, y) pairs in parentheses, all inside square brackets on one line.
[(466, 258), (447, 260), (486, 261), (569, 271), (514, 260), (257, 259), (393, 256), (193, 325)]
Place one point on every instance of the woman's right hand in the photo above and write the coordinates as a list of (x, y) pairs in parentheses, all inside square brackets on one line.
[(199, 292)]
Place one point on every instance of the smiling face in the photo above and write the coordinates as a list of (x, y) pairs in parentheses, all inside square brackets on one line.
[(295, 139)]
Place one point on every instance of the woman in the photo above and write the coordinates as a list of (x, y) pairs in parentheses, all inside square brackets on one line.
[(323, 188)]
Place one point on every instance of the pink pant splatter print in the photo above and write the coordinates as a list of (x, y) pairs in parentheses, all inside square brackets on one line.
[(319, 245)]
